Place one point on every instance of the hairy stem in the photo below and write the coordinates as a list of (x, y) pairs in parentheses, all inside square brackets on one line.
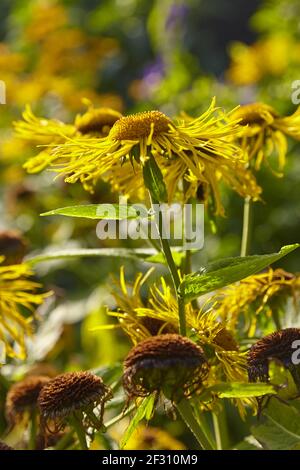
[(171, 265), (33, 430)]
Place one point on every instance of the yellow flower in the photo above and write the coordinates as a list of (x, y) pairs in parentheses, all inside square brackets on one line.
[(47, 132), (17, 293), (267, 57), (257, 299), (264, 132), (150, 438), (141, 318), (199, 151)]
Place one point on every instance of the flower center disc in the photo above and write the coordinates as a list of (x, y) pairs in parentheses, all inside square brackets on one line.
[(140, 125)]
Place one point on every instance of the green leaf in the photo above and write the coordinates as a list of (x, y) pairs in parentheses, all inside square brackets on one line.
[(135, 254), (102, 211), (145, 410), (241, 390), (154, 180), (226, 271), (281, 427)]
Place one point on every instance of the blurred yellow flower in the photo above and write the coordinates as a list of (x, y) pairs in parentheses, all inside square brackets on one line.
[(17, 294), (264, 133), (150, 438), (267, 57), (258, 299)]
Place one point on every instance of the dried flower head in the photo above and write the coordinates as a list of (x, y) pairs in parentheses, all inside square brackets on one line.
[(71, 393), (12, 247), (22, 397), (277, 346), (4, 446), (169, 363)]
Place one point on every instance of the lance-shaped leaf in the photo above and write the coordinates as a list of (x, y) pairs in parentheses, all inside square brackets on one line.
[(73, 253), (102, 211), (226, 271), (145, 410)]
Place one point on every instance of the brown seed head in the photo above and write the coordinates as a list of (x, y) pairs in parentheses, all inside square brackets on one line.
[(97, 121), (169, 363), (70, 392), (23, 396), (276, 346), (4, 446), (13, 246), (140, 125)]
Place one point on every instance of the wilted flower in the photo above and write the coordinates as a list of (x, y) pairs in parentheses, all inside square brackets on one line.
[(157, 314), (73, 395), (22, 398), (261, 293), (166, 363), (265, 132), (17, 292), (12, 246), (276, 346)]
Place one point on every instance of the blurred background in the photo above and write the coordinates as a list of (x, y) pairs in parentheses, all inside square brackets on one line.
[(134, 55)]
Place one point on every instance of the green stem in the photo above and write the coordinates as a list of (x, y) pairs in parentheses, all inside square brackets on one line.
[(76, 423), (221, 429), (217, 431), (33, 430), (198, 429), (65, 441), (172, 268), (247, 227)]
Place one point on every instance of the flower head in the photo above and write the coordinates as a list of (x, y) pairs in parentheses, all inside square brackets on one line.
[(48, 132), (12, 246), (73, 392), (255, 295), (168, 363), (130, 306), (23, 396), (276, 346), (17, 292), (264, 132), (197, 151)]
